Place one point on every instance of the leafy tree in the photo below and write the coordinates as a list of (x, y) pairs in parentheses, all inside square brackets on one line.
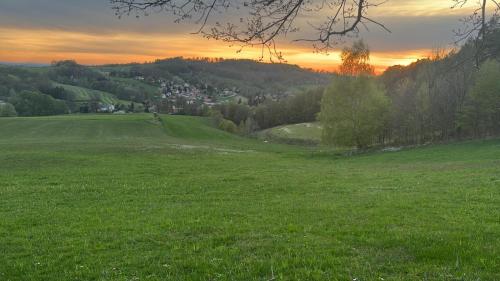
[(304, 106), (237, 113), (248, 126), (223, 124), (7, 110), (353, 112), (482, 111), (355, 60), (57, 93), (228, 126), (29, 103), (354, 108)]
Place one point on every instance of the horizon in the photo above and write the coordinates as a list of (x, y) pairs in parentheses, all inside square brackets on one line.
[(208, 59), (91, 34)]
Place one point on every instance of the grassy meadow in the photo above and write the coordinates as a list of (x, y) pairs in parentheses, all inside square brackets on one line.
[(107, 197), (302, 133), (84, 94)]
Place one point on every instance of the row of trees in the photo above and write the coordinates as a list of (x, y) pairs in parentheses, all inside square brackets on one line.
[(251, 78), (447, 97), (27, 103), (451, 96), (70, 72), (481, 112), (299, 108), (16, 82)]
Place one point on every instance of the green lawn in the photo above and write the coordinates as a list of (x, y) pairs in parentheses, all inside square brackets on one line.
[(305, 133), (84, 94), (105, 197)]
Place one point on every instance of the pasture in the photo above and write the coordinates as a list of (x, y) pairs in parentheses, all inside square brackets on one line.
[(303, 133), (101, 197), (83, 94)]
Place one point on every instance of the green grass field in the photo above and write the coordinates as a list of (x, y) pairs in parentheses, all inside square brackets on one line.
[(84, 94), (305, 133), (134, 84), (105, 197)]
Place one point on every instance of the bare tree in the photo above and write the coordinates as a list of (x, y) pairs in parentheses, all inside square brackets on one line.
[(262, 22), (475, 25)]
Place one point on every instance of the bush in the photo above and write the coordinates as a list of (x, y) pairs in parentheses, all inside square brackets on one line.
[(223, 124), (7, 110), (29, 103), (228, 126)]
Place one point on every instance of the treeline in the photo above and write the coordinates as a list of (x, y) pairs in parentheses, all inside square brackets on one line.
[(248, 78), (251, 78), (27, 93), (447, 97), (71, 73), (299, 108), (33, 91)]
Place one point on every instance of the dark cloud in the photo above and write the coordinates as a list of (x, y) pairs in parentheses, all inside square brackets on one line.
[(91, 16)]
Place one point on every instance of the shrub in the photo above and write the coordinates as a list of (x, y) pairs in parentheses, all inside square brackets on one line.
[(7, 110), (29, 103)]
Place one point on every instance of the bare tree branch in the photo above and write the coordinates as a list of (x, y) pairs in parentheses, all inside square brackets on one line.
[(262, 22)]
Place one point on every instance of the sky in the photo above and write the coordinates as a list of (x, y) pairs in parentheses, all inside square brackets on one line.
[(41, 31)]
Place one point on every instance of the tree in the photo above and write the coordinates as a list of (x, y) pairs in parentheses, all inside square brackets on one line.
[(29, 103), (7, 110), (248, 126), (354, 108), (482, 110), (304, 106), (476, 24), (355, 60), (353, 112), (258, 22)]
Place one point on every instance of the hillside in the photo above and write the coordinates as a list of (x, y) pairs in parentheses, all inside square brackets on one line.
[(302, 133), (179, 86), (249, 77), (84, 94), (121, 197)]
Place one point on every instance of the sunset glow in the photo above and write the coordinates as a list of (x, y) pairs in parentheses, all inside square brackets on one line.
[(44, 46), (106, 40)]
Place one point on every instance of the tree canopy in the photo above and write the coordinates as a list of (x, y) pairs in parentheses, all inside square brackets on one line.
[(354, 108)]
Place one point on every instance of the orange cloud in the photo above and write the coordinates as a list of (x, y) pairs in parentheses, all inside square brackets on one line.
[(43, 46)]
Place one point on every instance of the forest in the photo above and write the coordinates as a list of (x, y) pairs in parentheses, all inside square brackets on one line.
[(449, 96)]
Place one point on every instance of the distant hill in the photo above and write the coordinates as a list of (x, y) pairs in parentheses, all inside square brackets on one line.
[(173, 85), (249, 77), (30, 64)]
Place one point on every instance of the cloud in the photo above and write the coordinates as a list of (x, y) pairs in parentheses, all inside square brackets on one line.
[(42, 46), (45, 30)]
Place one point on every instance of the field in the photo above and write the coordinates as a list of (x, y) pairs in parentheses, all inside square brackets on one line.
[(102, 197), (134, 84), (84, 94), (303, 133)]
